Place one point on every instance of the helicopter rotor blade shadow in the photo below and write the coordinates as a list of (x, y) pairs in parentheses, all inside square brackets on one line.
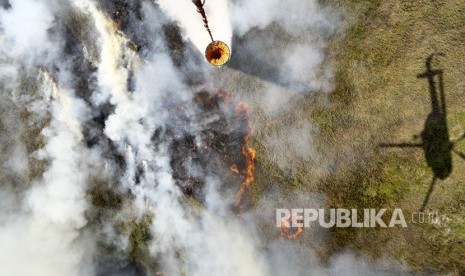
[(400, 145), (459, 139), (428, 194), (460, 154)]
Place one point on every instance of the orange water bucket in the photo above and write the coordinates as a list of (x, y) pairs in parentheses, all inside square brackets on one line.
[(217, 53)]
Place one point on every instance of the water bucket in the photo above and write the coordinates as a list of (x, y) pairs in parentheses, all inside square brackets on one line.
[(217, 53)]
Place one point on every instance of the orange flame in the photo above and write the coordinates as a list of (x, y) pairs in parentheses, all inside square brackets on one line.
[(234, 169), (290, 232), (249, 153)]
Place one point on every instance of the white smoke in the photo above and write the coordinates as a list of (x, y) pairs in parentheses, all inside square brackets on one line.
[(25, 27), (292, 145), (37, 233), (185, 13), (211, 245), (54, 208), (294, 15)]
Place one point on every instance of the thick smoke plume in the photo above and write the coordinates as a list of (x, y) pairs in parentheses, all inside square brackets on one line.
[(117, 139)]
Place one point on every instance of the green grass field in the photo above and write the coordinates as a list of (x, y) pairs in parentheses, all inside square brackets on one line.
[(379, 99)]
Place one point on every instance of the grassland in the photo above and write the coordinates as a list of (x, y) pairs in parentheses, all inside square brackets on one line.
[(379, 99)]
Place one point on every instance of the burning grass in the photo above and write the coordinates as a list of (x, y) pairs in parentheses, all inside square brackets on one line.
[(289, 232), (378, 99), (249, 154), (224, 143)]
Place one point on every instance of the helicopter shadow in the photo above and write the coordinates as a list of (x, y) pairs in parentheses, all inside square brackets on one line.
[(437, 146)]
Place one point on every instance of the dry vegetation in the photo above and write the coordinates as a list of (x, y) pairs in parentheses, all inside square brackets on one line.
[(378, 98)]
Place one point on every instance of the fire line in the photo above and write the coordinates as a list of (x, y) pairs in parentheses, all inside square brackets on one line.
[(249, 154)]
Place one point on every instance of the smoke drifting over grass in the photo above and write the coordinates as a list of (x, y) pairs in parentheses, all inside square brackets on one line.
[(91, 180)]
